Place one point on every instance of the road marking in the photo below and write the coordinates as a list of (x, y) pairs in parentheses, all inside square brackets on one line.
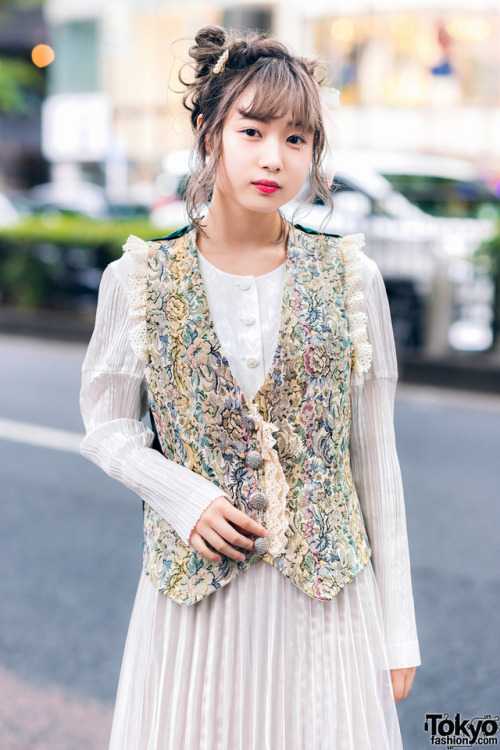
[(35, 434)]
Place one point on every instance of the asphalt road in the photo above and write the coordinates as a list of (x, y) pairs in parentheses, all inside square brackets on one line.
[(70, 553)]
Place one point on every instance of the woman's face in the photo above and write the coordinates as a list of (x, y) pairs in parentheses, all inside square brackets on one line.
[(255, 153)]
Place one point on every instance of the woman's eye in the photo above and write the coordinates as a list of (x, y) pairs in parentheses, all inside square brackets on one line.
[(298, 139)]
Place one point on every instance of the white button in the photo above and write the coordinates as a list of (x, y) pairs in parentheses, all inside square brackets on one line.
[(249, 319), (245, 284), (252, 361)]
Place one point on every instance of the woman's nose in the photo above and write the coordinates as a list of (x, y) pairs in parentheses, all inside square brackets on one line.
[(270, 154)]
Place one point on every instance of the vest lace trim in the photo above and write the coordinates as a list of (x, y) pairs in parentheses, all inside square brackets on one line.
[(137, 293), (351, 245), (275, 485)]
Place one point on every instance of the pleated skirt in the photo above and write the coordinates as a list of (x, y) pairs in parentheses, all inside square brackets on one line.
[(257, 665)]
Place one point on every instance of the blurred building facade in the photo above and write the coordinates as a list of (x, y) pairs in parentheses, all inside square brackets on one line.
[(413, 76), (22, 89)]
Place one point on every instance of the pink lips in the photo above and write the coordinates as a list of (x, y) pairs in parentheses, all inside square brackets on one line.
[(266, 187)]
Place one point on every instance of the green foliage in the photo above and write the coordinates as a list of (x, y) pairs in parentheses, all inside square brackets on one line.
[(80, 230), (17, 79), (47, 261), (8, 4)]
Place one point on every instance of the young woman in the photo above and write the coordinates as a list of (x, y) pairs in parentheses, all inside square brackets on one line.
[(275, 608)]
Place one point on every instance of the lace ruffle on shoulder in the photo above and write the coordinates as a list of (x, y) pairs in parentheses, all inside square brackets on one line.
[(139, 253), (350, 246)]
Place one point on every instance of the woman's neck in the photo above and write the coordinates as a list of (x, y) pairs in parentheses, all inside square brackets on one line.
[(246, 248), (231, 227)]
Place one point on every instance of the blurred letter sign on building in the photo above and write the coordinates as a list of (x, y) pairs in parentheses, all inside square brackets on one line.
[(76, 127)]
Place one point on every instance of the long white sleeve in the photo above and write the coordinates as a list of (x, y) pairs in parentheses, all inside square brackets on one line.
[(377, 476), (113, 401)]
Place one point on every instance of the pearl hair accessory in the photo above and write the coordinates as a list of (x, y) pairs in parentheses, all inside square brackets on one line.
[(221, 63)]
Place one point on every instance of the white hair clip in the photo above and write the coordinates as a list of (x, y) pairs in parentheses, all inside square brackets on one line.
[(221, 63), (330, 96)]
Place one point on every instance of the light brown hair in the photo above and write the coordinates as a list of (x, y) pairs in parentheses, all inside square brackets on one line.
[(281, 82)]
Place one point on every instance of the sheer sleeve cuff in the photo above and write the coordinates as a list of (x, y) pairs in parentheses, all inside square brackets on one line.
[(403, 655)]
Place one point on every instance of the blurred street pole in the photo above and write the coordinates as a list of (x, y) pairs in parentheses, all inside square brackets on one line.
[(438, 312)]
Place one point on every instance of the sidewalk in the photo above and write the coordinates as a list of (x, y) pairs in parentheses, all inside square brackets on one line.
[(45, 717)]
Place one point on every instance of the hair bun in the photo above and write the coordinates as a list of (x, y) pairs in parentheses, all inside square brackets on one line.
[(210, 38), (209, 43)]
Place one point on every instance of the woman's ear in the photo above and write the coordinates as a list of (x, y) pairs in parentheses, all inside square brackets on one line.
[(207, 144)]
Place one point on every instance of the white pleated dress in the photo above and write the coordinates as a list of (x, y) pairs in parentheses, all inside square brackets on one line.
[(258, 664)]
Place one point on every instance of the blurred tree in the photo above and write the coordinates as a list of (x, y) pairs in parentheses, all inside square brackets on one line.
[(19, 3), (21, 82), (18, 81)]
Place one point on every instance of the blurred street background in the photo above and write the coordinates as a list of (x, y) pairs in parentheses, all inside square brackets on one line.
[(94, 145)]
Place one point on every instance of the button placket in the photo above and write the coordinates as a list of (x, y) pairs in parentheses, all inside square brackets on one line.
[(248, 317)]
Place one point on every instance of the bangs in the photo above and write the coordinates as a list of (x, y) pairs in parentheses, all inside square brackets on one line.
[(279, 90)]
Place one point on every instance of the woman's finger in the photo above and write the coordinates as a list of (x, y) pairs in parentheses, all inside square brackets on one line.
[(199, 544), (246, 522), (219, 543)]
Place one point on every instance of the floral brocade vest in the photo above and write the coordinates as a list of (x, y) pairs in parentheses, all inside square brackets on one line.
[(283, 458)]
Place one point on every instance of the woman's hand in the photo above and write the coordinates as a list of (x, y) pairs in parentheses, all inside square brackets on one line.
[(402, 680), (223, 525)]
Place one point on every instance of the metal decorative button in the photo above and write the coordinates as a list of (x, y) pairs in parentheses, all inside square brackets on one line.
[(257, 500), (261, 545), (249, 319), (254, 459), (248, 422), (252, 361), (245, 284)]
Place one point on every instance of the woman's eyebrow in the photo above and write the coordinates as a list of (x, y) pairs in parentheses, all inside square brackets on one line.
[(265, 120)]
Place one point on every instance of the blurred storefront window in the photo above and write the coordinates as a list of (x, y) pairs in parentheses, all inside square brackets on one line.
[(242, 17), (76, 46), (414, 59)]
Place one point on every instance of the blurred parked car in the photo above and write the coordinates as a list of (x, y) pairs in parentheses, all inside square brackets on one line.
[(440, 186), (80, 197), (9, 214), (463, 199), (168, 209), (83, 198)]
